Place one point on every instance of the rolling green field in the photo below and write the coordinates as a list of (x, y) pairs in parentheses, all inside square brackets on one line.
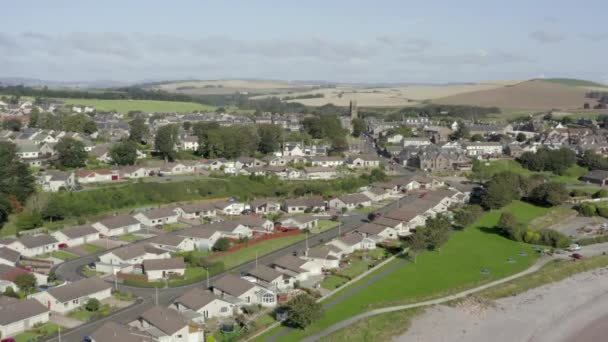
[(573, 82), (149, 106), (456, 267), (488, 169)]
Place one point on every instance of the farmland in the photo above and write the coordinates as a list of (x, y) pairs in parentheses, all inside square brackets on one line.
[(150, 106)]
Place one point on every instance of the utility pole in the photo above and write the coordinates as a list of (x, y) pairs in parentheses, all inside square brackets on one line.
[(156, 296), (339, 227), (59, 332), (115, 280), (207, 270), (256, 259)]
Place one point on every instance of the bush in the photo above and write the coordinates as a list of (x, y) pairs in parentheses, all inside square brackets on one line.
[(468, 214), (93, 305), (550, 237), (601, 194), (593, 240), (578, 193), (602, 211), (587, 209), (222, 244)]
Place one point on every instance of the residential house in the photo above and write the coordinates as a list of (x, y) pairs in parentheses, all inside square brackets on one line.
[(123, 258), (196, 210), (303, 221), (231, 207), (300, 205), (53, 181), (296, 267), (96, 176), (9, 257), (172, 169), (189, 143), (156, 217), (156, 269), (32, 245), (205, 303), (172, 243), (324, 161), (293, 149), (377, 194), (256, 223), (9, 274), (71, 296), (245, 162), (114, 332), (28, 151), (117, 225), (599, 177), (364, 161), (353, 242), (378, 232), (76, 236), (275, 161), (169, 326), (269, 277), (482, 149), (265, 206), (327, 256), (231, 286), (17, 316), (414, 141), (203, 236), (436, 159), (102, 153), (350, 201), (133, 172), (319, 172)]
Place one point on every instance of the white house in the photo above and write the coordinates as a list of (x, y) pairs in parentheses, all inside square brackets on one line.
[(378, 232), (68, 297), (133, 172), (156, 269), (477, 149), (196, 210), (96, 176), (117, 225), (364, 161), (319, 172), (205, 303), (17, 316), (303, 221), (54, 180), (377, 194), (32, 245), (169, 325), (353, 242), (350, 201), (189, 143), (123, 258), (265, 206), (268, 276), (172, 243), (327, 256), (231, 207), (203, 237), (296, 267), (415, 142), (248, 293), (76, 236), (324, 161), (157, 217)]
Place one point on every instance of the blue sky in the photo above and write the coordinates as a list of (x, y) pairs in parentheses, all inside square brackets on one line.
[(348, 41)]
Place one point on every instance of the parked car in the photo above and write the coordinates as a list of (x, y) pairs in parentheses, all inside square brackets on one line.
[(576, 256), (574, 247), (8, 339), (62, 245)]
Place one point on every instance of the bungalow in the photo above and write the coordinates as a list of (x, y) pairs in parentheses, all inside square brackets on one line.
[(9, 274), (213, 164), (28, 151), (232, 286), (300, 205), (599, 177), (156, 217), (102, 153), (388, 222), (364, 161), (76, 236), (327, 161), (96, 176), (378, 232), (245, 162), (414, 141), (129, 255), (410, 218), (65, 298), (293, 149), (32, 245), (327, 256), (172, 243), (168, 325), (377, 194), (205, 303), (53, 181), (171, 169), (353, 242), (133, 172), (392, 188), (296, 267), (9, 257), (17, 316), (156, 269), (189, 143), (117, 225), (256, 223), (114, 332), (319, 172), (234, 229), (269, 277), (275, 161), (196, 210), (265, 206), (231, 207), (350, 201), (299, 221), (203, 237)]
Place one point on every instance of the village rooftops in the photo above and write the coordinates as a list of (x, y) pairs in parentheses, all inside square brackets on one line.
[(14, 310), (114, 332), (79, 289), (160, 213), (33, 241), (371, 229), (290, 262), (10, 273), (265, 273), (197, 207), (163, 264), (118, 221), (322, 252), (200, 231), (167, 320), (196, 298), (135, 250), (79, 231), (167, 239), (354, 198), (9, 254), (232, 285)]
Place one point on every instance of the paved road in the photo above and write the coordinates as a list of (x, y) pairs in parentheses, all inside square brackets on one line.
[(70, 270)]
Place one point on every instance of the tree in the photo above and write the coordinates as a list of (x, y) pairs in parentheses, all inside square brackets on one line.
[(468, 214), (16, 180), (509, 226), (339, 144), (138, 131), (124, 153), (12, 125), (377, 175), (302, 311), (503, 188), (222, 244), (93, 305), (26, 282), (587, 209), (438, 230), (586, 105), (10, 292), (270, 138), (550, 194), (601, 193), (166, 141), (418, 242), (462, 132), (34, 115), (520, 137), (71, 153), (359, 126), (187, 125), (89, 127), (477, 137)]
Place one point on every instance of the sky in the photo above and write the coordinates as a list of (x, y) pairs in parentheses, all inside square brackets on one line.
[(376, 41)]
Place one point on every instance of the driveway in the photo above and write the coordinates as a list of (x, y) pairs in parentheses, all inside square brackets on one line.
[(65, 321)]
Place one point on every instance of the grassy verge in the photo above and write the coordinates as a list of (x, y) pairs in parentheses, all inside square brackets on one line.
[(129, 237), (63, 255), (174, 226), (89, 273), (84, 315), (377, 328), (91, 249), (323, 226), (551, 272), (38, 333), (248, 253), (435, 274)]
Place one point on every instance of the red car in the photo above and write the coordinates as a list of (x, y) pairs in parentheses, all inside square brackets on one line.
[(576, 256), (63, 245)]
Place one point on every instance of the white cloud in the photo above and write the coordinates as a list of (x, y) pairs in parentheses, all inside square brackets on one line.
[(546, 37)]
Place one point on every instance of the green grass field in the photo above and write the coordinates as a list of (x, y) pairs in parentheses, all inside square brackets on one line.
[(129, 237), (92, 248), (488, 169), (149, 106), (456, 267), (248, 253), (555, 215), (573, 82), (40, 332), (323, 226)]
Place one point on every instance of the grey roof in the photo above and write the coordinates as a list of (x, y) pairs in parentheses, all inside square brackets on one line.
[(599, 175), (197, 207), (33, 241), (114, 332), (354, 198), (371, 229), (167, 239), (79, 231), (200, 231), (9, 254), (197, 298), (311, 169), (160, 213), (351, 239), (79, 289), (13, 310), (265, 273), (163, 264), (314, 201), (290, 262), (59, 175), (252, 221), (387, 222), (119, 221), (232, 285), (134, 250), (167, 320), (320, 252), (304, 218)]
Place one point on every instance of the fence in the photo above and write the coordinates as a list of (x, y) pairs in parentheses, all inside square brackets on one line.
[(262, 238)]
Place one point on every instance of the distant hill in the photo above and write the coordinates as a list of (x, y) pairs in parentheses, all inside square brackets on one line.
[(574, 82), (533, 95)]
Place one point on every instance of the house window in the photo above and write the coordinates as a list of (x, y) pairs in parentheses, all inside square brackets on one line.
[(248, 299), (224, 309), (268, 298)]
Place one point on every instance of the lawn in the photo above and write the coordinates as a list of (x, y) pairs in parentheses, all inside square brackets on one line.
[(333, 282), (571, 176), (91, 249), (366, 210), (456, 267), (148, 106), (555, 215), (323, 226), (129, 237), (488, 169), (84, 315), (174, 226), (63, 255), (40, 332), (248, 253)]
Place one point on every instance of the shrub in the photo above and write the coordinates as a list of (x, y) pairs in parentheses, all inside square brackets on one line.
[(602, 211), (468, 214), (93, 305), (587, 209), (578, 193), (550, 237), (222, 244), (601, 194)]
